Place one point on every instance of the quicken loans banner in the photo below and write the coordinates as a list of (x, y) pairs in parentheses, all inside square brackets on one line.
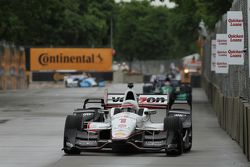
[(235, 38), (213, 55), (83, 59), (221, 54)]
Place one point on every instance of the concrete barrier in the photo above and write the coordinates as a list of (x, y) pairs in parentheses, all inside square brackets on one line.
[(248, 132), (225, 114), (230, 115), (216, 104), (222, 109), (241, 122), (235, 123), (245, 128), (233, 115)]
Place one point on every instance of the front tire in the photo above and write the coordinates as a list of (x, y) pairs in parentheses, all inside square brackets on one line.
[(72, 124), (189, 140), (174, 139)]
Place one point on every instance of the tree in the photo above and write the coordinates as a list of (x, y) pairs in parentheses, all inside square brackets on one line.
[(56, 23), (142, 32), (208, 10)]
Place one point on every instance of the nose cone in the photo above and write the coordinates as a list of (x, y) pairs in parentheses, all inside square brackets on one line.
[(122, 127)]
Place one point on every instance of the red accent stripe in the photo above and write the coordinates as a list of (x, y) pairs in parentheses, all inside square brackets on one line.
[(141, 106)]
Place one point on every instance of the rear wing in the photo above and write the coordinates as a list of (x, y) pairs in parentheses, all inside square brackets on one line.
[(160, 101)]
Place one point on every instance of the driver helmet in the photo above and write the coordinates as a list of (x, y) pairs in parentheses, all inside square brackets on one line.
[(167, 81), (130, 106)]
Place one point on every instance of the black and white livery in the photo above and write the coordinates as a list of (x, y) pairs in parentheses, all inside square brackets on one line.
[(123, 121)]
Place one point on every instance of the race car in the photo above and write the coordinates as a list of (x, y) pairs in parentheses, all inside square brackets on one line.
[(153, 87), (120, 122), (73, 80), (158, 82)]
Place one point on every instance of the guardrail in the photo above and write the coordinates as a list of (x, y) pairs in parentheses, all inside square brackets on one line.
[(233, 115)]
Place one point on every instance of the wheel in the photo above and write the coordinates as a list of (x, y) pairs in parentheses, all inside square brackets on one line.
[(79, 122), (66, 84), (188, 142), (174, 139), (72, 124)]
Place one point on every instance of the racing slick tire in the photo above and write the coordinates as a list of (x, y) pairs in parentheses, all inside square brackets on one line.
[(174, 140), (66, 84), (189, 140), (72, 124)]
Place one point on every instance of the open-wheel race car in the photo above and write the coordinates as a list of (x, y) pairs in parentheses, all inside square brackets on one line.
[(123, 121)]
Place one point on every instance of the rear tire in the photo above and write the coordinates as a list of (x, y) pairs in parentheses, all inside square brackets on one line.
[(174, 139)]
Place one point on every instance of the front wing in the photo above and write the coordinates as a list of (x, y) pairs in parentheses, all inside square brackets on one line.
[(140, 140)]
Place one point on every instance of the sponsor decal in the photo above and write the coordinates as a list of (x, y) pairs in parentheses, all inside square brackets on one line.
[(235, 38), (143, 99), (235, 53), (213, 56), (87, 59), (151, 100), (123, 120), (119, 134), (122, 126), (221, 54), (87, 114), (222, 41), (117, 99), (45, 59), (235, 22)]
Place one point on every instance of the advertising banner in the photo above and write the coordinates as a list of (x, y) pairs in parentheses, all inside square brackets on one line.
[(83, 59), (213, 55), (221, 54), (235, 38)]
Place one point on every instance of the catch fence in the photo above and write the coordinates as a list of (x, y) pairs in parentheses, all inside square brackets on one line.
[(236, 82)]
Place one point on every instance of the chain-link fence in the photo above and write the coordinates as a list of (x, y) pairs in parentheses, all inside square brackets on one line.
[(237, 81)]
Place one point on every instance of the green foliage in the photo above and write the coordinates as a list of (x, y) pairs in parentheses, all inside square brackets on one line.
[(56, 22), (208, 10), (141, 31)]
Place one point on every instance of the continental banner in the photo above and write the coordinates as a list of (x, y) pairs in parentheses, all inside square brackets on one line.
[(92, 59)]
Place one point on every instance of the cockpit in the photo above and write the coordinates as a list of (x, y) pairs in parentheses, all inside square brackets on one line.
[(129, 106)]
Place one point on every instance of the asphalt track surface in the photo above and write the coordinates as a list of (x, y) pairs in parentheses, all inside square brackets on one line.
[(32, 123)]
